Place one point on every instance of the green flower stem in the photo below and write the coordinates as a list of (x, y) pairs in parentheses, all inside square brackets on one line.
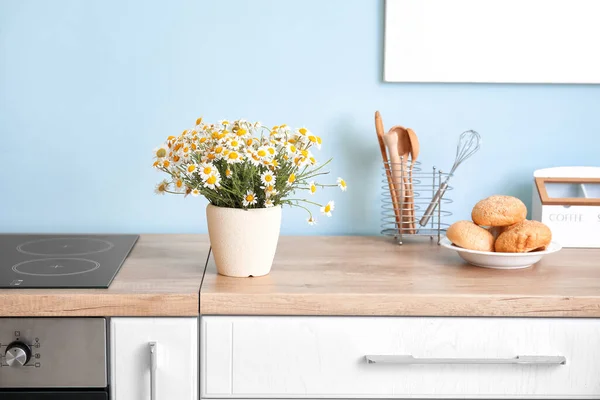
[(306, 201)]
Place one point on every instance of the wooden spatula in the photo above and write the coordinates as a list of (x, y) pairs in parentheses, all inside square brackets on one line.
[(388, 172)]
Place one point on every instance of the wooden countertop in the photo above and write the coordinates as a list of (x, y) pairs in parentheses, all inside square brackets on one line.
[(161, 277), (374, 276)]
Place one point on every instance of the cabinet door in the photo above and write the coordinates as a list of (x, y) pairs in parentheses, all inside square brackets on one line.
[(176, 358), (400, 358)]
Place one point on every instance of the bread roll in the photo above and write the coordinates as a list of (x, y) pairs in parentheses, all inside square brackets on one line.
[(523, 237), (499, 211), (467, 235)]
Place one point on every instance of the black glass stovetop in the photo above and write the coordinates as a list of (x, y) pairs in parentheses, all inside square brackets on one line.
[(62, 261)]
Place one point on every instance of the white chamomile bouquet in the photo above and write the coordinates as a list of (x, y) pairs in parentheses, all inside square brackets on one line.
[(241, 164)]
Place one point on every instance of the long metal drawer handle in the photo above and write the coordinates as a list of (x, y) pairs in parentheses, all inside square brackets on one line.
[(408, 360), (153, 368)]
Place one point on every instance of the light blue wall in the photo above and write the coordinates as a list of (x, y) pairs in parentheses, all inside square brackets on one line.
[(89, 88)]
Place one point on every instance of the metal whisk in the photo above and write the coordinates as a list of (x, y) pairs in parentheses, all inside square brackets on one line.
[(468, 144)]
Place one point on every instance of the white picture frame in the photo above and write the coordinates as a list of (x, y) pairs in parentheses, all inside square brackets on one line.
[(500, 41)]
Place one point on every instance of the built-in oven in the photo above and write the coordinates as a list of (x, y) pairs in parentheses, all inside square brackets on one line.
[(53, 359)]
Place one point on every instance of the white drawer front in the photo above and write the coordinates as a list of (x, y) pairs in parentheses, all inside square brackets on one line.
[(324, 357)]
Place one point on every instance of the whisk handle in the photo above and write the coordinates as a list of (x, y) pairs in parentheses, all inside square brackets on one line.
[(434, 203)]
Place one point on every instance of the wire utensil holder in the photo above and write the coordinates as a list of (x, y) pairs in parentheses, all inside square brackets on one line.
[(400, 219)]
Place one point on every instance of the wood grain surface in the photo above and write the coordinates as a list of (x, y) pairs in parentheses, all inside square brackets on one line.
[(161, 277), (374, 276)]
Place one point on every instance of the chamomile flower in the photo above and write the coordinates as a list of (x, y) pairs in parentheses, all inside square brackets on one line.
[(270, 190), (161, 151), (311, 220), (224, 122), (253, 158), (228, 173), (342, 184), (302, 132), (312, 187), (161, 187), (262, 153), (213, 181), (178, 185), (234, 157), (249, 199), (269, 203), (191, 168), (291, 149), (206, 170), (267, 178), (315, 140), (234, 143), (328, 208), (291, 179), (195, 192), (241, 132), (198, 121)]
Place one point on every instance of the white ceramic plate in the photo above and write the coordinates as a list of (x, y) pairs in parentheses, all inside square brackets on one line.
[(489, 259)]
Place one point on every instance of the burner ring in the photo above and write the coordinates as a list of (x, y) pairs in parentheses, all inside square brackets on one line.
[(95, 267), (107, 246)]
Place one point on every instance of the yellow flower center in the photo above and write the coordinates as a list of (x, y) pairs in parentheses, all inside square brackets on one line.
[(292, 178), (234, 143), (275, 128), (186, 149), (161, 152), (342, 183), (261, 153), (249, 198), (233, 155), (319, 140), (225, 123), (198, 121), (166, 163), (304, 153), (312, 139), (271, 150), (162, 187), (176, 158), (194, 147), (249, 142), (268, 178), (191, 168), (269, 188), (178, 146), (219, 149), (302, 131), (327, 208), (203, 139), (228, 172), (179, 183), (313, 189), (207, 170), (171, 138), (241, 132), (211, 156), (212, 180), (293, 149), (155, 164)]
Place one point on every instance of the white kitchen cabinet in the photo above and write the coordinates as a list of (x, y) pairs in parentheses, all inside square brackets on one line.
[(176, 372), (325, 357)]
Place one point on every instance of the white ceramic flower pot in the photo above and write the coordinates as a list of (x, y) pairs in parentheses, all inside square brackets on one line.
[(243, 241)]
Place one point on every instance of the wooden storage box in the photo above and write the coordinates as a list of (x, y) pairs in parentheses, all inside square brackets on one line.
[(567, 199)]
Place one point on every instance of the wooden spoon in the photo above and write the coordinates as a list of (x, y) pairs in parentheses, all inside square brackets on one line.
[(386, 165), (402, 171), (414, 154)]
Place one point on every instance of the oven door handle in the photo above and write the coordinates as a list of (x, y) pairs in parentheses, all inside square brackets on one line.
[(153, 346)]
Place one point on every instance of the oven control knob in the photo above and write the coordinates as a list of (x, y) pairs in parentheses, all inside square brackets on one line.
[(17, 354)]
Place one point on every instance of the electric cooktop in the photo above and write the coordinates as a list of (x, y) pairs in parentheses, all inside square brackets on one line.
[(62, 261)]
